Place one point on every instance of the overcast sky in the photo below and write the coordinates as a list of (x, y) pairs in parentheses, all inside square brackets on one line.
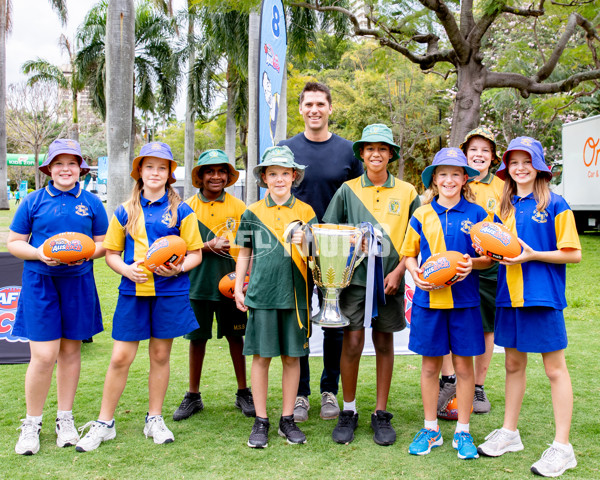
[(36, 30)]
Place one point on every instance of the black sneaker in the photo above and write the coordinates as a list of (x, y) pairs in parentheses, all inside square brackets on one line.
[(289, 430), (259, 436), (245, 402), (384, 432), (191, 403), (344, 430)]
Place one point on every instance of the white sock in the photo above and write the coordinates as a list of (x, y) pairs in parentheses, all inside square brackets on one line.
[(566, 448), (431, 424), (350, 405), (510, 432), (34, 418), (461, 427), (110, 422), (64, 413)]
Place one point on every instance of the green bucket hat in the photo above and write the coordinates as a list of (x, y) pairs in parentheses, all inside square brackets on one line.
[(280, 156), (214, 157), (485, 133), (377, 132)]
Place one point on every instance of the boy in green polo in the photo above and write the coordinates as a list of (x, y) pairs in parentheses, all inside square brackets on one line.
[(218, 215), (387, 203), (277, 297)]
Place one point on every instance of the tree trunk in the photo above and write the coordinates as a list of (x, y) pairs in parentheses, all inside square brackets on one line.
[(467, 105), (253, 55), (3, 167), (190, 118), (74, 133), (120, 45)]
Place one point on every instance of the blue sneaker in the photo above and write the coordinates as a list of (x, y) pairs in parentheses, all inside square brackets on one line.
[(463, 443), (424, 441)]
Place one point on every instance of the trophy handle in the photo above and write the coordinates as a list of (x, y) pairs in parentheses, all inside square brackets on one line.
[(304, 249)]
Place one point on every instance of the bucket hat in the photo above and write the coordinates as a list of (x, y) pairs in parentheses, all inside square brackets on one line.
[(214, 157), (158, 150), (377, 132), (453, 157), (488, 135), (68, 146), (533, 148), (281, 156)]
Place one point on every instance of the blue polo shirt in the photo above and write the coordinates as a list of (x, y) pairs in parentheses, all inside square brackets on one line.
[(50, 211), (152, 224), (538, 283), (435, 229)]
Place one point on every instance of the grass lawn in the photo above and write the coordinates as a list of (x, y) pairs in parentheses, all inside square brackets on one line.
[(212, 444)]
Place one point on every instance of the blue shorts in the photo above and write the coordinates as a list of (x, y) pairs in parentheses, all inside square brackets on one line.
[(436, 332), (530, 329), (139, 318), (58, 307)]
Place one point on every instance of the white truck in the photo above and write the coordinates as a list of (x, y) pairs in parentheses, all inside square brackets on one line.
[(578, 178)]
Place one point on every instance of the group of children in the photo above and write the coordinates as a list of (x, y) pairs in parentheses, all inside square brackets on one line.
[(222, 233)]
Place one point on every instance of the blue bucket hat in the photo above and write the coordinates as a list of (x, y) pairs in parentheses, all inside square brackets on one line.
[(377, 132), (533, 148), (214, 157), (158, 150), (452, 157), (67, 146), (280, 156)]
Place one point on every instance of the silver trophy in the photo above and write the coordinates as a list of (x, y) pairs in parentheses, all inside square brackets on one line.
[(333, 252)]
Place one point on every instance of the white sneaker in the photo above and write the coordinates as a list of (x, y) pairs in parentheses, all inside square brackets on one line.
[(66, 433), (29, 439), (554, 462), (155, 427), (99, 432), (499, 442)]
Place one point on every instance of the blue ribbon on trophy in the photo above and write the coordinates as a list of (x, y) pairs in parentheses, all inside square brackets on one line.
[(375, 289)]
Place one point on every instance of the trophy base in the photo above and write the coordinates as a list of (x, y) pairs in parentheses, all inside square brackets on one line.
[(330, 315)]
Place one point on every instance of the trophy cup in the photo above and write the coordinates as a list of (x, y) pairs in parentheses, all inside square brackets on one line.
[(334, 252)]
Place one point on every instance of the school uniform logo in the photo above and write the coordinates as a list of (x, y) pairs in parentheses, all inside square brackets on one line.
[(166, 218), (527, 142), (465, 226), (394, 207), (230, 224), (539, 217), (491, 205), (82, 210)]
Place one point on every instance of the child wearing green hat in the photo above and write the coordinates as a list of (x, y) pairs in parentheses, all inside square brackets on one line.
[(387, 203), (277, 297), (218, 215)]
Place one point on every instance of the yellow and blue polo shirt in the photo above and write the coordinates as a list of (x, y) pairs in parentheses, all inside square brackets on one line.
[(273, 278), (538, 283), (216, 218), (435, 229), (152, 224), (387, 207), (49, 211)]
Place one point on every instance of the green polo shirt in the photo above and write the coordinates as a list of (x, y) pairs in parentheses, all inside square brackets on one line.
[(388, 207)]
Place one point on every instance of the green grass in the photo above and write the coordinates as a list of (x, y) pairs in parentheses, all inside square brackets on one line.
[(212, 444)]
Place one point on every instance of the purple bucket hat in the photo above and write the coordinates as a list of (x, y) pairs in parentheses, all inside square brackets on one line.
[(66, 146), (158, 150), (452, 157), (533, 148)]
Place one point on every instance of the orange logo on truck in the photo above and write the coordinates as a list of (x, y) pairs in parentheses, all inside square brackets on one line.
[(591, 152)]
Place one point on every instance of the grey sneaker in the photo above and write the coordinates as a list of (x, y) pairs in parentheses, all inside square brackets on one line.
[(329, 406), (499, 442), (245, 402), (301, 408), (99, 432), (155, 427), (29, 439), (191, 403), (66, 433), (447, 391), (481, 404), (554, 462), (259, 436), (290, 431)]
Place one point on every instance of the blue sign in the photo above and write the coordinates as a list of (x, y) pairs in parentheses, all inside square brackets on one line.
[(102, 170), (271, 67), (23, 189)]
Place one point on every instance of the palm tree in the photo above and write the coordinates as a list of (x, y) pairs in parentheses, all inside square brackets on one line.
[(61, 8), (43, 71)]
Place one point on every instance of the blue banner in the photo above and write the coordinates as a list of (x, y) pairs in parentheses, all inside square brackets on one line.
[(271, 67), (23, 189), (102, 170)]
